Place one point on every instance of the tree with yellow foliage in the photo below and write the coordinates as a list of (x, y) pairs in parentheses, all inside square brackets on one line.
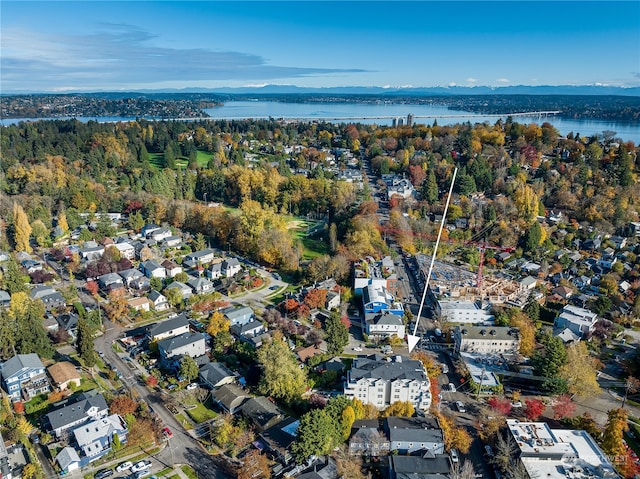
[(21, 229), (217, 324)]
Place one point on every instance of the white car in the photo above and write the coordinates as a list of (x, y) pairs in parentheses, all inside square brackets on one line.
[(460, 406), (452, 387), (454, 455), (357, 348), (124, 466), (192, 386), (140, 466)]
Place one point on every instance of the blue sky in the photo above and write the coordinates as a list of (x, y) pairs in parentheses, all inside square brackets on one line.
[(107, 45)]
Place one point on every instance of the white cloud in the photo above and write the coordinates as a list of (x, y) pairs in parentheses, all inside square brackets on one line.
[(472, 80), (502, 80), (452, 83)]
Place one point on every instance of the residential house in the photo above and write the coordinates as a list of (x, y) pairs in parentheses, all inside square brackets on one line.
[(171, 327), (139, 304), (190, 344), (110, 282), (50, 297), (215, 375), (127, 250), (384, 382), (279, 438), (238, 314), (204, 256), (419, 467), (379, 274), (230, 397), (148, 230), (13, 458), (367, 439), (96, 437), (158, 301), (558, 453), (580, 321), (24, 376), (161, 234), (68, 460), (172, 241), (91, 253), (68, 322), (152, 269), (130, 275), (528, 282), (247, 330), (200, 285), (231, 267), (333, 300), (81, 408), (563, 292), (184, 290), (377, 299), (262, 413), (171, 268), (63, 375), (384, 324), (486, 340), (607, 259), (408, 435), (214, 271)]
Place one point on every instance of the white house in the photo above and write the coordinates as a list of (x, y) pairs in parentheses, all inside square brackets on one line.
[(580, 321), (171, 327), (462, 311), (383, 325), (382, 382), (231, 267), (152, 269), (487, 340), (189, 344)]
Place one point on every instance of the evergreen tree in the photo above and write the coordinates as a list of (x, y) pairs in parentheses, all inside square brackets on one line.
[(13, 281), (430, 187), (281, 378), (548, 362), (188, 368), (337, 334), (21, 229), (84, 343)]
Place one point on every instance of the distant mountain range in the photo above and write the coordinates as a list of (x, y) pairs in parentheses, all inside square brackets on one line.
[(410, 91)]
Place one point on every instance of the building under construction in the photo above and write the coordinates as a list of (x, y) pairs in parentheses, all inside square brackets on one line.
[(451, 281)]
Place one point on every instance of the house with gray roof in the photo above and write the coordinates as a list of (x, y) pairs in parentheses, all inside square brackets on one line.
[(68, 460), (247, 330), (152, 269), (161, 234), (158, 301), (24, 376), (49, 296), (384, 382), (200, 285), (419, 467), (172, 241), (262, 413), (13, 458), (411, 434), (367, 439), (204, 256), (231, 267), (129, 275), (238, 314), (189, 344), (95, 438), (171, 327), (230, 397), (215, 375), (110, 281), (384, 324), (214, 271), (79, 409)]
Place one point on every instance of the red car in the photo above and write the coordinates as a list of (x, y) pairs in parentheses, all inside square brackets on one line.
[(167, 432)]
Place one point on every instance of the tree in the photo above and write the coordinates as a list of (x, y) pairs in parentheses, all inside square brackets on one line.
[(533, 237), (579, 372), (548, 361), (84, 343), (348, 418), (25, 317), (563, 407), (461, 440), (317, 435), (281, 378), (399, 408), (199, 242), (12, 279), (432, 368), (316, 298), (254, 466), (500, 405), (136, 221), (337, 334), (21, 229), (466, 471), (430, 188), (115, 443), (348, 465), (24, 426), (188, 368), (527, 330), (118, 307), (533, 408), (173, 295), (613, 435), (217, 324), (123, 405), (30, 471)]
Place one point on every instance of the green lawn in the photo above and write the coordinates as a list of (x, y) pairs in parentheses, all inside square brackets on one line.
[(314, 248), (189, 472), (203, 158), (200, 413), (157, 159)]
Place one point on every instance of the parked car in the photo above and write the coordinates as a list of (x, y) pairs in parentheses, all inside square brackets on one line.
[(445, 369), (357, 348), (140, 466), (192, 386), (125, 466), (141, 474), (460, 406), (454, 455), (516, 404), (103, 473), (167, 432), (488, 450), (452, 387)]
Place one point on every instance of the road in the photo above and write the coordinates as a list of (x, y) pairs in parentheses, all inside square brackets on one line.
[(182, 448)]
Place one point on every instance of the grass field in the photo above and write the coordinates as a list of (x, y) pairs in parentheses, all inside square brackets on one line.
[(157, 159), (314, 248)]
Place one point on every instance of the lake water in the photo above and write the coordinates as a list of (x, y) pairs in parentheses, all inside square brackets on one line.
[(384, 113)]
